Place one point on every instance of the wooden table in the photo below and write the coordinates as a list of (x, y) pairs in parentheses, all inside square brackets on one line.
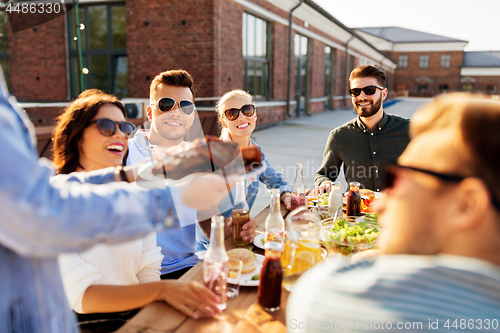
[(242, 314)]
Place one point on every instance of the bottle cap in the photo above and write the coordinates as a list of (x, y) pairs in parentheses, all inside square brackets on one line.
[(354, 184)]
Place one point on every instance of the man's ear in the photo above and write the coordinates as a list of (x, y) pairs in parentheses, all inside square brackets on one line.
[(384, 94), (149, 112)]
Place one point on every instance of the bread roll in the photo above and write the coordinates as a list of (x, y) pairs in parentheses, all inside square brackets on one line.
[(245, 256)]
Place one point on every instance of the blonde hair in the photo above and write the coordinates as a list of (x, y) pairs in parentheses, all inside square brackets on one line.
[(220, 111)]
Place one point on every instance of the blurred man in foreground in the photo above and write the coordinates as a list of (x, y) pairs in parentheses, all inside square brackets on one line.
[(440, 267)]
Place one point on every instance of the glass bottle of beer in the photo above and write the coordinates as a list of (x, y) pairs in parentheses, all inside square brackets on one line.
[(298, 189), (275, 225), (215, 266), (271, 276), (353, 200), (240, 214)]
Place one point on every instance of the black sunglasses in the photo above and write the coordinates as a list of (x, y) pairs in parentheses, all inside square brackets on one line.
[(248, 110), (391, 176), (166, 104), (368, 90), (107, 127)]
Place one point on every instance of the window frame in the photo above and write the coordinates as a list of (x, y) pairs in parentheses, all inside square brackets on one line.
[(405, 62), (445, 61), (262, 62), (113, 54), (423, 59)]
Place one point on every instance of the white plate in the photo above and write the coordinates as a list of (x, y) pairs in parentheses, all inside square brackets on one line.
[(246, 279), (257, 241), (146, 172)]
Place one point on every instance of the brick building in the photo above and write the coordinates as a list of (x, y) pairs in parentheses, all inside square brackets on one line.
[(224, 44), (431, 64)]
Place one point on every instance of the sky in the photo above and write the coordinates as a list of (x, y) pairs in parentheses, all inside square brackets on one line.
[(476, 21)]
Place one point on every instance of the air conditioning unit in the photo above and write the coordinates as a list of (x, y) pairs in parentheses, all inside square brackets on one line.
[(134, 107)]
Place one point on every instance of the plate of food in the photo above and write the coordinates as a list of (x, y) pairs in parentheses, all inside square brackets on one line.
[(259, 240), (252, 264), (201, 157), (345, 238)]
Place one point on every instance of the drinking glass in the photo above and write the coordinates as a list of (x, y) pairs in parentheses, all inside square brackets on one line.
[(233, 283)]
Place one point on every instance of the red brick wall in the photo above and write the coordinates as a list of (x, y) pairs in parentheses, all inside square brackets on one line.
[(279, 61), (164, 35), (438, 75), (482, 82), (38, 62)]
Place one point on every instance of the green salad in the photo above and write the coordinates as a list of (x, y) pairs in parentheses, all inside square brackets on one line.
[(347, 238), (323, 198)]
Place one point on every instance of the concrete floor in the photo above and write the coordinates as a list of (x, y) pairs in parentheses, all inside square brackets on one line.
[(303, 140)]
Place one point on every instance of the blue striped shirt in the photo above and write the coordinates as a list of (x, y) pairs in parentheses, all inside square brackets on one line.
[(397, 293)]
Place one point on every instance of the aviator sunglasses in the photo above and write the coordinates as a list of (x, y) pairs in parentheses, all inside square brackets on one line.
[(368, 90), (107, 127), (166, 104), (392, 175), (248, 110)]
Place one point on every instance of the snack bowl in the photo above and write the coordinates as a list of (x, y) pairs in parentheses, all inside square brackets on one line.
[(346, 238)]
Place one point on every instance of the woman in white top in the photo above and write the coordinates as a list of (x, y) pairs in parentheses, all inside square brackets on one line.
[(92, 134)]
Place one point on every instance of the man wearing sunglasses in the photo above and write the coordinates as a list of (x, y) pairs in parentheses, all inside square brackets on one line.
[(440, 217), (368, 143), (171, 112)]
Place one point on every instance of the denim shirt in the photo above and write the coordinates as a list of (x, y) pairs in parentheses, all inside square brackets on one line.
[(270, 177), (40, 219)]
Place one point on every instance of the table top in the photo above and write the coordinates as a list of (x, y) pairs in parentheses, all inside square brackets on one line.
[(242, 314)]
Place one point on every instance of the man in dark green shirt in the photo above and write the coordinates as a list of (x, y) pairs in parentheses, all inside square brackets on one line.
[(367, 144)]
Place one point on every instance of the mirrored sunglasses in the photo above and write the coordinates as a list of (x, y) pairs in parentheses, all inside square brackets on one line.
[(107, 127), (233, 114), (166, 104), (368, 90)]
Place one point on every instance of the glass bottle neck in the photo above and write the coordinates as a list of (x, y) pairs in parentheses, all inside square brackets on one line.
[(240, 192), (216, 251), (275, 204)]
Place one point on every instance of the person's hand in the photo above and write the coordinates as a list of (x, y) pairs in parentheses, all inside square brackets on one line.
[(191, 298), (248, 233), (286, 198), (323, 188), (207, 191)]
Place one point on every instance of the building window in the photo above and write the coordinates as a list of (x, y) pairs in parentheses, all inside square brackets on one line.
[(443, 88), (4, 49), (255, 56), (422, 88), (329, 70), (403, 61), (423, 62), (103, 43), (445, 61), (467, 87), (491, 88)]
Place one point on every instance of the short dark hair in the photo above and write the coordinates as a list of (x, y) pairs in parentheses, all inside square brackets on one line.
[(478, 120), (70, 125), (175, 77), (369, 71)]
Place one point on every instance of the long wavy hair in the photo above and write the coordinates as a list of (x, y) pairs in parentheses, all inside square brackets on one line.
[(71, 123)]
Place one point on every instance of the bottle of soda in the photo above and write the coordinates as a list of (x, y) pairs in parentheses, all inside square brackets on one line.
[(271, 276), (215, 266), (335, 202), (298, 189), (353, 200), (240, 214), (275, 225)]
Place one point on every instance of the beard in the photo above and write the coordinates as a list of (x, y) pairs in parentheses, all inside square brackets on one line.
[(370, 110)]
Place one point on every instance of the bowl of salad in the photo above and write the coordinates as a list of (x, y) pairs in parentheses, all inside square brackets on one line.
[(341, 236)]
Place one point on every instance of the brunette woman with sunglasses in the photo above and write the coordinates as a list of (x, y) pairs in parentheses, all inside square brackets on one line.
[(91, 134), (238, 116)]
